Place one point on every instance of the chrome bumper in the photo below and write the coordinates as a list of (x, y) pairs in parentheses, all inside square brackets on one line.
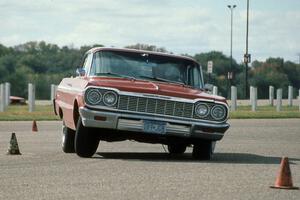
[(134, 122)]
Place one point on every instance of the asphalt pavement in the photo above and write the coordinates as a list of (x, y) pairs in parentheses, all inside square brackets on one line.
[(245, 164)]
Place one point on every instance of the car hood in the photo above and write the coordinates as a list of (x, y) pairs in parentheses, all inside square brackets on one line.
[(153, 87)]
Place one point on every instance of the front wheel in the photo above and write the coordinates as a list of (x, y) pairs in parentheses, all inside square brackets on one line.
[(67, 142), (203, 149), (86, 142)]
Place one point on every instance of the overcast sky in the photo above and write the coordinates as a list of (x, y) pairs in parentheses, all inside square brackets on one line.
[(190, 26)]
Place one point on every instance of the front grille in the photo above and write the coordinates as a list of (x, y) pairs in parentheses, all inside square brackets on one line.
[(155, 106)]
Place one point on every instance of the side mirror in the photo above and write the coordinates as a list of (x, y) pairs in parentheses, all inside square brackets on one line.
[(208, 87), (80, 72)]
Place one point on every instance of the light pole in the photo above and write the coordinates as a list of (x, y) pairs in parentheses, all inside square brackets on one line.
[(229, 74), (247, 57)]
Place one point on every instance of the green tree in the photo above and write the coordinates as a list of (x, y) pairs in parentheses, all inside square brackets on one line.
[(221, 66), (19, 81), (146, 47), (44, 64), (269, 73)]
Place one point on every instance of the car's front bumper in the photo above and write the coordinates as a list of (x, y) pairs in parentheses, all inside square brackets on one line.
[(135, 123)]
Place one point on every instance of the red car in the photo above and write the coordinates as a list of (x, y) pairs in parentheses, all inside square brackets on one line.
[(124, 94)]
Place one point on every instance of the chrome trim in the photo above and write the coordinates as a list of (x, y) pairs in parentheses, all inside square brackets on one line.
[(97, 49), (138, 125), (175, 129), (117, 99), (204, 135), (104, 108), (88, 120), (130, 125), (104, 88), (130, 122), (153, 96), (161, 97), (213, 108), (88, 112), (93, 90), (202, 79), (208, 110), (70, 89)]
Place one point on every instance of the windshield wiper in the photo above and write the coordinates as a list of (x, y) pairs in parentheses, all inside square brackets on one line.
[(162, 79), (115, 74)]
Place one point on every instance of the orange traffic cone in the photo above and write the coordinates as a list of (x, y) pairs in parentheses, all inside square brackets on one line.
[(34, 126), (284, 177), (13, 148)]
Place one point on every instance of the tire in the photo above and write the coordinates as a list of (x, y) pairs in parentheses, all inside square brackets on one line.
[(86, 142), (67, 140), (203, 149), (176, 148)]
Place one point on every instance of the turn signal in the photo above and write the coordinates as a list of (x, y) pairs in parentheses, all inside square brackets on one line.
[(100, 118)]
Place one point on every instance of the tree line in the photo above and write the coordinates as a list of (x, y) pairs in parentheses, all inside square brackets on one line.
[(44, 64)]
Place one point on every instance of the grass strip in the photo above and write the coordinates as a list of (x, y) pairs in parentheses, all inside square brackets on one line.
[(45, 112), (21, 113)]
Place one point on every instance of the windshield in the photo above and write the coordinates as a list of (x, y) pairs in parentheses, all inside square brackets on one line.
[(146, 67)]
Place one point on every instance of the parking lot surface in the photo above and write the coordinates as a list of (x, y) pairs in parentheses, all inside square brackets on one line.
[(245, 164)]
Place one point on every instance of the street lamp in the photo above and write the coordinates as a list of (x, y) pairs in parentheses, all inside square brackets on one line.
[(247, 57), (229, 75)]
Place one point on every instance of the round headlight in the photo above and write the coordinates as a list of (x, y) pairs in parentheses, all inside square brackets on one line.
[(202, 110), (110, 98), (93, 96), (218, 112)]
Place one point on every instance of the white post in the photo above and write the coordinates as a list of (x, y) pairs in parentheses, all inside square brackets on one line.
[(271, 95), (215, 90), (31, 97), (233, 98), (254, 99), (53, 91), (278, 100), (251, 95), (2, 98), (7, 94), (299, 101), (290, 96)]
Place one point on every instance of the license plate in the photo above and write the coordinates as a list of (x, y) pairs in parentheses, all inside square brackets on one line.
[(156, 127)]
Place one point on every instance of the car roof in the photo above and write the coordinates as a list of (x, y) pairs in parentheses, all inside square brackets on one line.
[(96, 49)]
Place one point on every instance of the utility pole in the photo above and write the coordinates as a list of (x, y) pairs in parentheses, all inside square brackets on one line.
[(247, 57)]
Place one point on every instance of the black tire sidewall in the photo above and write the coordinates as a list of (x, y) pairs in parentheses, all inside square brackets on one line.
[(68, 140), (86, 143), (176, 148), (203, 150)]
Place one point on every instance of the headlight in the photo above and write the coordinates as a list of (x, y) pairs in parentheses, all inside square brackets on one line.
[(202, 110), (218, 112), (110, 98), (93, 96)]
